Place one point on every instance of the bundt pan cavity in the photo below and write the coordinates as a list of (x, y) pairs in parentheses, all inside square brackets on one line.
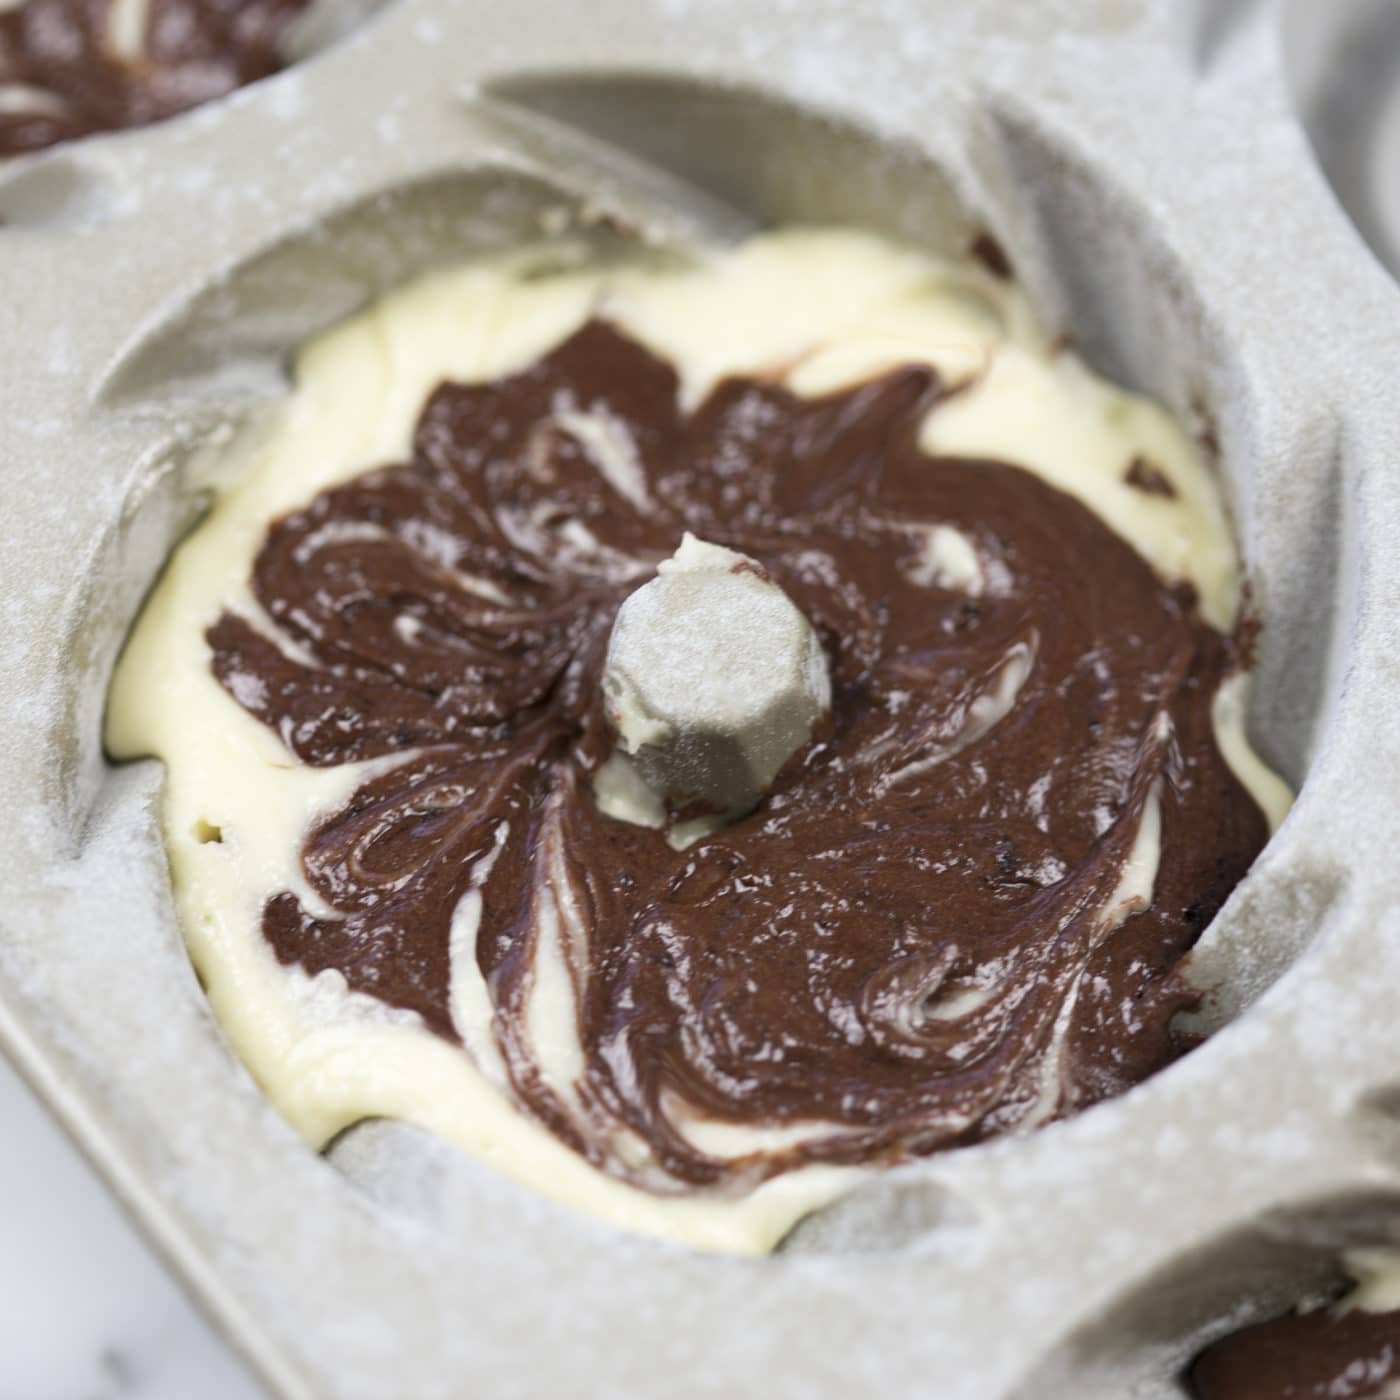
[(1142, 164)]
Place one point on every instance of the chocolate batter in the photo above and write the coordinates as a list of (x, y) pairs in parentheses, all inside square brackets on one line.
[(914, 939), (71, 77), (1322, 1355), (1150, 480)]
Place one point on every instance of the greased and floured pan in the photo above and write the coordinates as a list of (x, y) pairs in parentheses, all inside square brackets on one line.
[(1144, 168)]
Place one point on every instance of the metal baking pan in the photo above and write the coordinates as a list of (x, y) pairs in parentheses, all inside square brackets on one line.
[(1146, 165)]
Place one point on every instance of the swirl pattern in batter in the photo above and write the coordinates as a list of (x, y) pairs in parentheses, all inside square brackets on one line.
[(961, 909), (72, 68)]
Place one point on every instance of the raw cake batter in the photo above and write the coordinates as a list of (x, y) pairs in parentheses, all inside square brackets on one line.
[(421, 851)]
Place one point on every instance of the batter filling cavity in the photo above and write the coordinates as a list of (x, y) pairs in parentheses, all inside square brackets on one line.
[(697, 732)]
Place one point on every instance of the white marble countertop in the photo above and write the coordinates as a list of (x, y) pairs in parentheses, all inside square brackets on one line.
[(86, 1310)]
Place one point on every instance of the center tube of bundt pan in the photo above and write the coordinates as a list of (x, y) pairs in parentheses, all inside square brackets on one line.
[(714, 680)]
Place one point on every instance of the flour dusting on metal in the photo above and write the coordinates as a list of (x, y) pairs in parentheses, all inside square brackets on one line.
[(1149, 177)]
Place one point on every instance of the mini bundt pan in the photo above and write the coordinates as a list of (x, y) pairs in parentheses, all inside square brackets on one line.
[(1145, 167)]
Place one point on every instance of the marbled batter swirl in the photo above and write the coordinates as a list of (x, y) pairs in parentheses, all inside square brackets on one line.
[(812, 963), (71, 68), (961, 910)]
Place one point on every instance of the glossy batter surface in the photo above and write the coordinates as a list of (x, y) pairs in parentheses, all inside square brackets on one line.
[(1307, 1356), (1348, 1351), (921, 936), (960, 911), (71, 68)]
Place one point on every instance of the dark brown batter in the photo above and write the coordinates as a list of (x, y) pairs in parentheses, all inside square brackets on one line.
[(910, 939), (1322, 1355), (194, 51), (1150, 480)]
